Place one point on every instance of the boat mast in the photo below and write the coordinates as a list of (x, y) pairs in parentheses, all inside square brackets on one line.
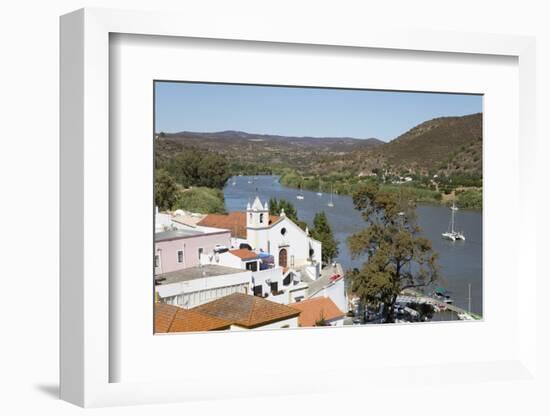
[(453, 208), (453, 219), (469, 298)]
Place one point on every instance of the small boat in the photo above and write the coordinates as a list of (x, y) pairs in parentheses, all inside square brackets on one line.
[(451, 233), (300, 196), (319, 193), (330, 203), (442, 295)]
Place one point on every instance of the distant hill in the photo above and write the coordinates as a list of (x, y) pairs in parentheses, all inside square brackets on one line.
[(445, 144), (246, 150), (303, 141)]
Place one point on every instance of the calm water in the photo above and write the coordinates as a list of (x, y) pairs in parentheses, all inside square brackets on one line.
[(461, 262)]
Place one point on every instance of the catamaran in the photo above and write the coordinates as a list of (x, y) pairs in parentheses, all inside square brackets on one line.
[(451, 233), (330, 203)]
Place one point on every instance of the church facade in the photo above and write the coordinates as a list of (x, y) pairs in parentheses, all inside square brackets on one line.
[(290, 246)]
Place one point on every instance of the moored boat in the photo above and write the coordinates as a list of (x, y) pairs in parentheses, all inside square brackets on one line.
[(451, 233)]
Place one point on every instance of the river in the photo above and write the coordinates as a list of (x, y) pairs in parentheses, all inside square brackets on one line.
[(460, 262)]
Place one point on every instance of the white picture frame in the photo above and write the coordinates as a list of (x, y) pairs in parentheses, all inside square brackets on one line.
[(87, 356)]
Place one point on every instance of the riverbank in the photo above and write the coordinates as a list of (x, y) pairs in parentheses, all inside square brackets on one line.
[(345, 184)]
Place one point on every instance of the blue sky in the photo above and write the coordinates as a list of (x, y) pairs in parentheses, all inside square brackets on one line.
[(301, 111)]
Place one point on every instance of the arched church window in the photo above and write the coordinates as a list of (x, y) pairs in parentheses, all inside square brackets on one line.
[(261, 218), (283, 231)]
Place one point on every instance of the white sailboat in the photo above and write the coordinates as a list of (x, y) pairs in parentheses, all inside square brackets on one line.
[(300, 196), (330, 203), (319, 193), (451, 233)]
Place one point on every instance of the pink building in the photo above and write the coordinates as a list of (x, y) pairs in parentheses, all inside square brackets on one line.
[(180, 249)]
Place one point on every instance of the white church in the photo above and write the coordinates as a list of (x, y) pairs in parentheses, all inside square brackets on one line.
[(290, 245)]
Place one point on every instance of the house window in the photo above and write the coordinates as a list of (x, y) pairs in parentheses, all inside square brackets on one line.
[(157, 260), (180, 256), (261, 218), (200, 252), (252, 266), (258, 291), (274, 287)]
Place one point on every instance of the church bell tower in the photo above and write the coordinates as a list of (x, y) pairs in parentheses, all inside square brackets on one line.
[(257, 224)]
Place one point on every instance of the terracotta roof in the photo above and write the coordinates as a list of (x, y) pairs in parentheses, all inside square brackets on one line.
[(244, 254), (234, 221), (164, 315), (313, 310), (170, 318), (246, 310)]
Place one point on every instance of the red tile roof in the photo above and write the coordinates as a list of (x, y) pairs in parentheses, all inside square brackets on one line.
[(170, 318), (234, 221), (316, 309), (244, 254), (246, 310)]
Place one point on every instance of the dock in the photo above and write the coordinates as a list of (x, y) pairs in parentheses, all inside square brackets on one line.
[(417, 297)]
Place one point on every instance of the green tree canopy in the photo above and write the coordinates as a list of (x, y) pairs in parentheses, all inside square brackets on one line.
[(165, 190), (203, 200), (398, 258), (276, 205), (322, 232), (194, 167)]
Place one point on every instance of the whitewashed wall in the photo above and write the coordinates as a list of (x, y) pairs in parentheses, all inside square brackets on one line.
[(206, 289)]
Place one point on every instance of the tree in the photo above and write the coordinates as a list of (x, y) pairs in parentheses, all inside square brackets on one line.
[(203, 200), (322, 232), (165, 190), (194, 167), (276, 206), (398, 258)]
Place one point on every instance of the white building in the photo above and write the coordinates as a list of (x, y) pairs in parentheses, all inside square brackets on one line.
[(194, 286), (278, 252), (290, 245), (267, 280), (278, 261)]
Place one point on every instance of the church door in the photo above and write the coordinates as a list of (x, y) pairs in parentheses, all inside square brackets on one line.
[(282, 257)]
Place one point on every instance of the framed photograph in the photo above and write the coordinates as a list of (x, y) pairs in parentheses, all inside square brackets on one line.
[(267, 230), (239, 208)]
